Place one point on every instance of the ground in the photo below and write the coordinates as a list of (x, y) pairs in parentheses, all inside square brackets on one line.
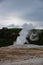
[(18, 56)]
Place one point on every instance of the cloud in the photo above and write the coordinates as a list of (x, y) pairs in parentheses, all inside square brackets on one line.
[(41, 0), (26, 10), (1, 1), (11, 20), (35, 12)]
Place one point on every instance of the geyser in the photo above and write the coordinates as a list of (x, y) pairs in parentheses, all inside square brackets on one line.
[(23, 34)]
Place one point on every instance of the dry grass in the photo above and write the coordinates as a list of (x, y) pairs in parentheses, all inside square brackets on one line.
[(20, 53)]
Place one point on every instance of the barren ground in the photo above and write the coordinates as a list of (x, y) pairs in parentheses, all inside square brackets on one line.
[(20, 55)]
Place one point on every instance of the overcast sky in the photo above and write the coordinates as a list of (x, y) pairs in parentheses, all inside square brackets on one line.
[(19, 12)]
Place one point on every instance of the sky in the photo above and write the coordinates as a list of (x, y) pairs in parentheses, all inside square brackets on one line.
[(19, 12)]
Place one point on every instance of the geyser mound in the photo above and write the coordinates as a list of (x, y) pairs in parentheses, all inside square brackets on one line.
[(23, 34)]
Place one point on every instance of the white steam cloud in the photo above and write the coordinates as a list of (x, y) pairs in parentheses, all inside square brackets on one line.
[(23, 34)]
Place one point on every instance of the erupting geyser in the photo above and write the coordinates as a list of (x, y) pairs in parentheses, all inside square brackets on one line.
[(23, 34)]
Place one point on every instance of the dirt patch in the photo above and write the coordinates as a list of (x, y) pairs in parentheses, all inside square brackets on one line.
[(15, 54)]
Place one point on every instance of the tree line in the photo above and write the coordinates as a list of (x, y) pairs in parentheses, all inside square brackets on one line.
[(8, 36)]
